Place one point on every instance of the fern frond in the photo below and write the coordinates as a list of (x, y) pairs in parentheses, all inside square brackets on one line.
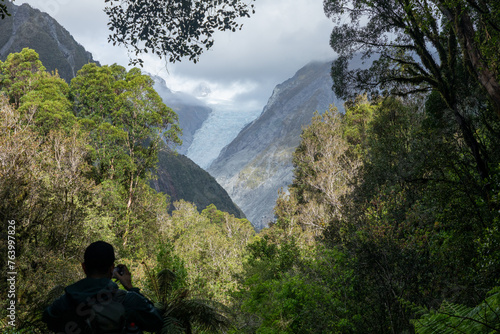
[(165, 280), (456, 318), (171, 326)]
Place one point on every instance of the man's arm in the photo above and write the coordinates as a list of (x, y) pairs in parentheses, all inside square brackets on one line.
[(122, 273)]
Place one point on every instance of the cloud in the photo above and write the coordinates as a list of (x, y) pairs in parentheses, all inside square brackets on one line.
[(242, 68)]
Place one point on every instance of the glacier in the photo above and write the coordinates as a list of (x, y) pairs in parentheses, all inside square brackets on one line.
[(221, 127)]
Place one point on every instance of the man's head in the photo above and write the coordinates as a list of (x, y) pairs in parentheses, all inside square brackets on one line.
[(99, 259)]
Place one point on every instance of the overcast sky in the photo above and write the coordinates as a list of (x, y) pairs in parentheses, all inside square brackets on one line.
[(240, 70)]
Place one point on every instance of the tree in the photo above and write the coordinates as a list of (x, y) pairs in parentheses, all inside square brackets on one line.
[(476, 24), (123, 108), (172, 28), (419, 51), (212, 245), (24, 79), (323, 174), (417, 216), (128, 125), (49, 184), (405, 209), (17, 73), (44, 190), (49, 95), (399, 31), (290, 289)]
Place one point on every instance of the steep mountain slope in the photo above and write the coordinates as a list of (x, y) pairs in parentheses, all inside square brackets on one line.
[(258, 162), (180, 178), (28, 27)]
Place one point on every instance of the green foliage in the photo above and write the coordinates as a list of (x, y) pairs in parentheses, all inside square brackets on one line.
[(181, 312), (358, 115), (54, 181), (17, 73), (212, 245), (44, 189), (48, 95), (127, 120), (409, 215), (128, 124), (393, 203), (295, 291), (412, 240), (32, 90)]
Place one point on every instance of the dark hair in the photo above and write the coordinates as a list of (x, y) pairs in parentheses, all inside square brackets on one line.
[(99, 256)]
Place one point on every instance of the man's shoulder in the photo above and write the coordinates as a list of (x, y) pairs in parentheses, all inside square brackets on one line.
[(133, 296), (81, 292)]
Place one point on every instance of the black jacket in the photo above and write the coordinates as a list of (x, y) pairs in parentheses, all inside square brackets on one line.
[(65, 315)]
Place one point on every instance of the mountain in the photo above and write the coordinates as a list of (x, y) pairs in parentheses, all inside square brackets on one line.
[(29, 27), (191, 111), (258, 162), (180, 178)]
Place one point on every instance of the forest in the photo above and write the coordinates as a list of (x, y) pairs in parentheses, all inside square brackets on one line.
[(391, 223)]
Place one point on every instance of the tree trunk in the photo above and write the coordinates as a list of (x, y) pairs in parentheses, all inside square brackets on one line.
[(130, 192), (470, 140), (485, 76)]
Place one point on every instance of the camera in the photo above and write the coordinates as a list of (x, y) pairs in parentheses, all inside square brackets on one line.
[(120, 269)]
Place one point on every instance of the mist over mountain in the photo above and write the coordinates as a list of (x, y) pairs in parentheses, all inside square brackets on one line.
[(191, 111), (258, 162), (29, 27), (206, 130)]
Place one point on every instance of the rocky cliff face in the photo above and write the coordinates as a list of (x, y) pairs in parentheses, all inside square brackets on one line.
[(28, 27), (258, 162)]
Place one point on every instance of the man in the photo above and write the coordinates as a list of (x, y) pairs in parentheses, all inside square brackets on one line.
[(96, 305)]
